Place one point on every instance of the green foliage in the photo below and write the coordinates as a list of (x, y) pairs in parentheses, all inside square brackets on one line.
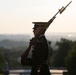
[(49, 62), (56, 58), (1, 60), (59, 57), (71, 60), (10, 56)]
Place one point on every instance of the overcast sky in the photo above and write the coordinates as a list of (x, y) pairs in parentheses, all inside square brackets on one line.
[(16, 16)]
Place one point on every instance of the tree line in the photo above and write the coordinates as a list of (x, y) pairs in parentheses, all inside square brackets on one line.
[(63, 56)]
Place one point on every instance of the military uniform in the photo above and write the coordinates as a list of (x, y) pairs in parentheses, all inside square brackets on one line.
[(40, 49), (39, 53), (39, 57)]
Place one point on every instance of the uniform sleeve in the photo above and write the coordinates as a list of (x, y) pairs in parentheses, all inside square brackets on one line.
[(40, 52)]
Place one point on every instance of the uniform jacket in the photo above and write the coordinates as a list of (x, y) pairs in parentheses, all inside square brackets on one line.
[(40, 51)]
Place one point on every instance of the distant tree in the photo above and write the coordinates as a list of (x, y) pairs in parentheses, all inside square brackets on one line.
[(71, 60), (50, 54), (1, 60), (63, 47), (10, 55)]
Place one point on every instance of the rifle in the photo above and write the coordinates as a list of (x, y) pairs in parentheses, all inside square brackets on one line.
[(25, 53)]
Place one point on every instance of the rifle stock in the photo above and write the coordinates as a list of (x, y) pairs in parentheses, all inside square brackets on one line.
[(25, 53)]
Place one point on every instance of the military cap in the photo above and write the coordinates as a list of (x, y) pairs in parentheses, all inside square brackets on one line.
[(38, 24)]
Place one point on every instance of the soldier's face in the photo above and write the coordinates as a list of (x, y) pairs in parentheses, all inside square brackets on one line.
[(36, 31)]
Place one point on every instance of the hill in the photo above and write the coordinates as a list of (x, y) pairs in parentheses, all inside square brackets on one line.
[(9, 41)]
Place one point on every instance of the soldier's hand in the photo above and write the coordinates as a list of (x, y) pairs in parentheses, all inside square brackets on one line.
[(32, 42)]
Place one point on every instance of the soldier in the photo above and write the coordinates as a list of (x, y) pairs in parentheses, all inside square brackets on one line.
[(39, 52)]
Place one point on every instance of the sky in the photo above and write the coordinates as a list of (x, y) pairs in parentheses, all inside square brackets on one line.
[(16, 16)]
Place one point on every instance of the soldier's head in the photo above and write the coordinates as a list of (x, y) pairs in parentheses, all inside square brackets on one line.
[(37, 27)]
